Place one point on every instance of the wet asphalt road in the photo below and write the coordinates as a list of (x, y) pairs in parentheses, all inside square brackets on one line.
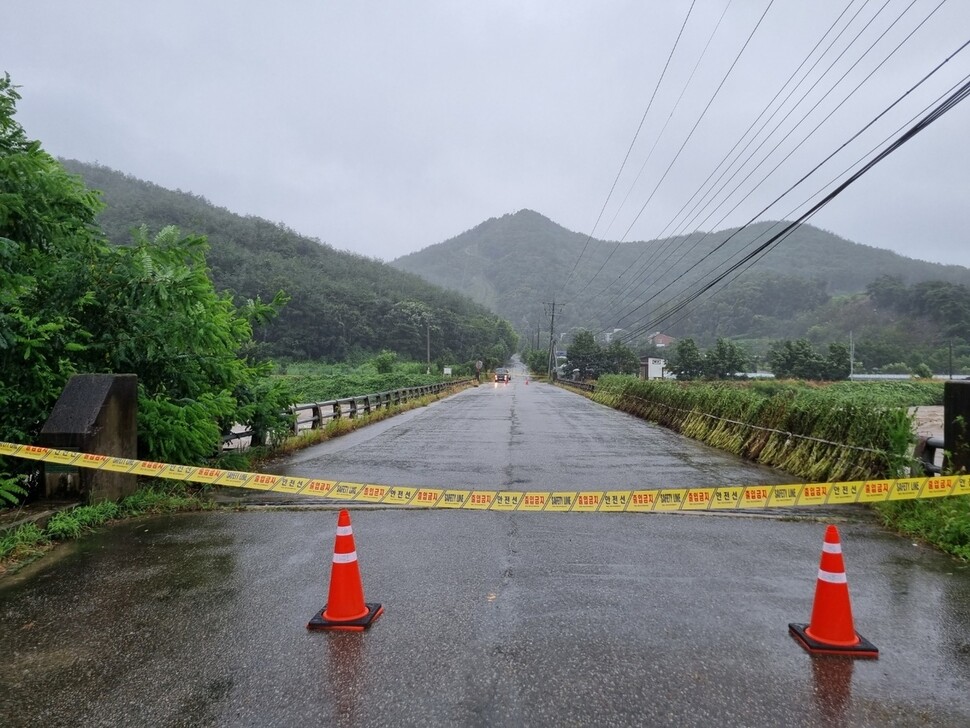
[(490, 618), (521, 436)]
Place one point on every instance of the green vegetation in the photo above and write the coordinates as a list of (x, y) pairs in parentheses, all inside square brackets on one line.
[(317, 382), (341, 307), (29, 541), (944, 522), (840, 431), (71, 303), (821, 433), (812, 286), (592, 360), (726, 360), (84, 289)]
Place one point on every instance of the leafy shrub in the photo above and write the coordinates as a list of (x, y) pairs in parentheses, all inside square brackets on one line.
[(384, 362)]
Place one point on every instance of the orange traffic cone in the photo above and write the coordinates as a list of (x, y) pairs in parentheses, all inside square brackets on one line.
[(345, 608), (831, 630)]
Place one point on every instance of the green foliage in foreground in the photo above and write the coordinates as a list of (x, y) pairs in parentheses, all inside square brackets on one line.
[(28, 540), (944, 522), (70, 303)]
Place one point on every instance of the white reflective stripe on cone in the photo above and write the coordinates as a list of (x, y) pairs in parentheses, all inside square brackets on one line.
[(832, 578), (345, 531), (832, 548), (345, 558)]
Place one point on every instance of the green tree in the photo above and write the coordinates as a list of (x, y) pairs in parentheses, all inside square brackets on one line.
[(584, 354), (537, 360), (889, 292), (617, 358), (688, 361), (384, 362), (71, 303), (46, 229), (725, 360), (796, 360), (160, 317), (837, 363)]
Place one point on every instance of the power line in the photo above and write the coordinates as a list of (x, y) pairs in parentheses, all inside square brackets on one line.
[(818, 166), (640, 272), (666, 245), (947, 105), (632, 143), (815, 194), (686, 140)]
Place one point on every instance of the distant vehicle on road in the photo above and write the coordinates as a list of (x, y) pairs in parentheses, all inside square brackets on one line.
[(503, 375)]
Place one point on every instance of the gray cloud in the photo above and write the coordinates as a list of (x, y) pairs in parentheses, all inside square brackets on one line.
[(385, 127)]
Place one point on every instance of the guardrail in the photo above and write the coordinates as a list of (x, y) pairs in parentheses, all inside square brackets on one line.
[(316, 415)]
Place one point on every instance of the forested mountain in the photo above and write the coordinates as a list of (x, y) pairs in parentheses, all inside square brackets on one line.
[(340, 303), (517, 263)]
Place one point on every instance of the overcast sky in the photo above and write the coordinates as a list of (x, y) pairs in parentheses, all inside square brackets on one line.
[(383, 128)]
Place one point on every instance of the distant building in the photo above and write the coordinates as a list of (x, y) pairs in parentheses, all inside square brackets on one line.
[(608, 336), (660, 340), (652, 368)]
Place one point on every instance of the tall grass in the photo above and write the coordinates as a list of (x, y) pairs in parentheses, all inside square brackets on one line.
[(836, 432), (848, 431)]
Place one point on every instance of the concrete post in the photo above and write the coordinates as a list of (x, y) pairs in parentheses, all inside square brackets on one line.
[(96, 413)]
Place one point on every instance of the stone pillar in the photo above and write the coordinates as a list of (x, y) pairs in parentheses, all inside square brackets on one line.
[(956, 426), (96, 413)]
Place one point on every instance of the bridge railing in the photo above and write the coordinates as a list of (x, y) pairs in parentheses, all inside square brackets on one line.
[(317, 415)]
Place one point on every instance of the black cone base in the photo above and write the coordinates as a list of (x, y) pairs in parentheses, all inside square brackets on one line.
[(864, 650), (318, 623)]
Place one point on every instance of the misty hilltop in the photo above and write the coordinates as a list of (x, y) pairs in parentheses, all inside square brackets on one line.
[(516, 263)]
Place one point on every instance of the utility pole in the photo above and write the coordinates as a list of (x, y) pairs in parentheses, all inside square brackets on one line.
[(428, 324), (550, 309), (851, 356)]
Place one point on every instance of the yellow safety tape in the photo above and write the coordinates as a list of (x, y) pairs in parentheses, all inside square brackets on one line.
[(718, 498)]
